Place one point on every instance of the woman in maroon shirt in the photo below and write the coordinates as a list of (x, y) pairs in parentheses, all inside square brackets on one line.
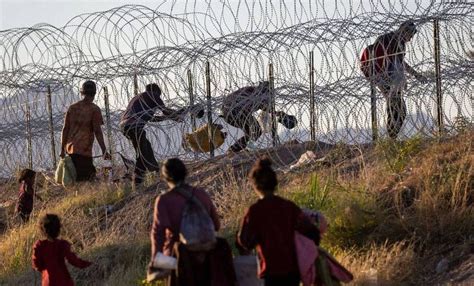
[(269, 226), (167, 215), (49, 255)]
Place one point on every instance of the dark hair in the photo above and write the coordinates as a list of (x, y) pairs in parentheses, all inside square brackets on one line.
[(174, 170), (262, 176), (263, 86), (26, 174), (153, 88), (89, 88), (50, 225), (408, 27)]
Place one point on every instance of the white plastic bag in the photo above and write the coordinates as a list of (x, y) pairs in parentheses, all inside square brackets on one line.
[(65, 172), (58, 175), (165, 262)]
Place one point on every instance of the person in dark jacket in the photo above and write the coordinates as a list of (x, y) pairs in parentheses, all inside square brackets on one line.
[(389, 72), (239, 106), (26, 194), (49, 255), (269, 225), (141, 110)]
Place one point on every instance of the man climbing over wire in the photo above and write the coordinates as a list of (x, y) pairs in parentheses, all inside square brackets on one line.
[(238, 108), (141, 110), (384, 63)]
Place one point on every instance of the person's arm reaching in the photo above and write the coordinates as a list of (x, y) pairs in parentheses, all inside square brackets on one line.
[(168, 114), (97, 121), (414, 73), (73, 259)]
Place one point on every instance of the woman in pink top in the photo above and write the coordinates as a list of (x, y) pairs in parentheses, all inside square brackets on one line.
[(49, 255)]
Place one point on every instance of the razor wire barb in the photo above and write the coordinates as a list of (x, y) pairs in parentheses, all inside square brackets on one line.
[(239, 39)]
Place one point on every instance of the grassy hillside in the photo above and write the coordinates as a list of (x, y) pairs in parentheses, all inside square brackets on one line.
[(395, 210)]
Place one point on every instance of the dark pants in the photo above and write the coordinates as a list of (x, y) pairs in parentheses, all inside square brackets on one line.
[(144, 156), (85, 169), (213, 268), (396, 114), (396, 108), (24, 217), (247, 123), (282, 280)]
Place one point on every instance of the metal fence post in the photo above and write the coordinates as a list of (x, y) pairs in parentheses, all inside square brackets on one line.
[(29, 147), (271, 80), (191, 99), (312, 117), (373, 98), (209, 110), (108, 123), (51, 126), (437, 58), (135, 84), (191, 103)]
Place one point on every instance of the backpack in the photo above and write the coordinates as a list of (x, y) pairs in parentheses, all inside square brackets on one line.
[(372, 60), (197, 230)]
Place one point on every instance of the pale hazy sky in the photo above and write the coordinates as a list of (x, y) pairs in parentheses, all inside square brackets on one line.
[(22, 13), (26, 13)]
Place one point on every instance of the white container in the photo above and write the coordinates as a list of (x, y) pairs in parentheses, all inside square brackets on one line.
[(165, 262)]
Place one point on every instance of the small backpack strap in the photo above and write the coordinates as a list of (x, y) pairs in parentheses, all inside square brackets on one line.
[(189, 196)]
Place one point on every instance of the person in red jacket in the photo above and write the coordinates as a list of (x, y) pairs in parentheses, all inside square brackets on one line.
[(26, 194), (49, 255), (269, 226)]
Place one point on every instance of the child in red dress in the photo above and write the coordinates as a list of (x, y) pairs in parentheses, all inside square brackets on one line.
[(49, 255)]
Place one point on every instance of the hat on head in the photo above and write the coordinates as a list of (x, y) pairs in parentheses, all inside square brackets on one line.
[(408, 26), (88, 88)]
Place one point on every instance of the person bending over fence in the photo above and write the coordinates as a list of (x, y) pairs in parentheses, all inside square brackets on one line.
[(141, 110), (238, 108)]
